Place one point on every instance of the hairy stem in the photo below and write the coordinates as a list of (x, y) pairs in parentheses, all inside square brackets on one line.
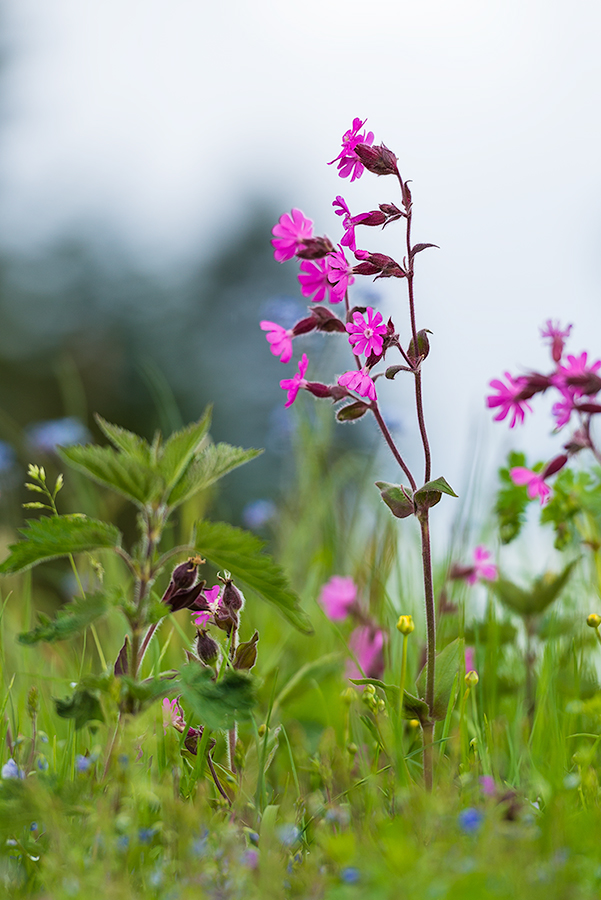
[(391, 444)]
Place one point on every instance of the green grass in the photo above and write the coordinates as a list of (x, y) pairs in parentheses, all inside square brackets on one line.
[(329, 802)]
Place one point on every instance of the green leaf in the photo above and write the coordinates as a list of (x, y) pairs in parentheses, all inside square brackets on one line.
[(54, 536), (512, 500), (218, 704), (82, 706), (352, 411), (397, 498), (128, 442), (209, 466), (243, 555), (144, 692), (413, 707), (122, 473), (181, 447), (75, 617), (447, 666), (431, 492), (543, 592)]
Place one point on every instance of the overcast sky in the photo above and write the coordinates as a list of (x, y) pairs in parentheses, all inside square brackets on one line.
[(163, 120)]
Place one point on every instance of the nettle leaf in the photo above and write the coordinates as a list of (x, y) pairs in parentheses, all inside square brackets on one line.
[(53, 536), (218, 704), (71, 620), (545, 589), (398, 499), (512, 595), (144, 692), (447, 666), (130, 443), (181, 447), (119, 471), (83, 706), (243, 555), (211, 464)]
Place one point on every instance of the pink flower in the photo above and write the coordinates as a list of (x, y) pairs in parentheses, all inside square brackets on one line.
[(340, 273), (315, 279), (487, 783), (579, 373), (367, 337), (367, 644), (294, 384), (482, 569), (508, 399), (337, 596), (201, 619), (290, 233), (470, 659), (172, 715), (534, 480), (359, 381), (348, 161), (280, 339), (556, 336), (348, 223), (562, 410)]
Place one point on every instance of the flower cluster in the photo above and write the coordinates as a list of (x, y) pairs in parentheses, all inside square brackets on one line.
[(576, 381)]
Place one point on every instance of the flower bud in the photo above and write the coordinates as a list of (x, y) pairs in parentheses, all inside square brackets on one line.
[(225, 619), (414, 723), (379, 160), (593, 621), (347, 696), (352, 749), (318, 389), (315, 248), (262, 730), (184, 575), (232, 599), (206, 647), (554, 466), (405, 624), (471, 678)]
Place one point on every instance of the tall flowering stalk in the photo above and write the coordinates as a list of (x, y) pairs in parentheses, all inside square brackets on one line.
[(327, 272)]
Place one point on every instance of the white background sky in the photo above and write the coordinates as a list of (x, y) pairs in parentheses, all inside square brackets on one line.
[(162, 119)]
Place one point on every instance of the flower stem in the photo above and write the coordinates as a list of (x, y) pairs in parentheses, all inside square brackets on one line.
[(392, 445)]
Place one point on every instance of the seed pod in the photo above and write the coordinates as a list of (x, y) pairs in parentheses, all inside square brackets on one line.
[(232, 598), (206, 647)]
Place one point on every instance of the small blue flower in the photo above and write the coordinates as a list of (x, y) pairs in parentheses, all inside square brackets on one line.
[(123, 760), (145, 835), (33, 826), (258, 513), (288, 835), (350, 875), (47, 436), (470, 820), (42, 764), (7, 457), (82, 763), (123, 842), (11, 770)]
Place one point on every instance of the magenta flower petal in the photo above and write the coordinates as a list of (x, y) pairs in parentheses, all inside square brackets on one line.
[(507, 398), (289, 234), (280, 339), (535, 482), (348, 161), (337, 596), (314, 279), (360, 381), (294, 384), (367, 643), (367, 336)]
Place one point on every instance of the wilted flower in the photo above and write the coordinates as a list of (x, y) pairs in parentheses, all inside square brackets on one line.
[(337, 596), (290, 233)]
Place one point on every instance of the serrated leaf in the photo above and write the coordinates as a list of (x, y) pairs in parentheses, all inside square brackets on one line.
[(398, 499), (512, 500), (181, 447), (246, 653), (75, 617), (131, 444), (124, 474), (218, 704), (144, 692), (447, 666), (82, 706), (53, 536), (352, 411), (209, 466), (243, 555)]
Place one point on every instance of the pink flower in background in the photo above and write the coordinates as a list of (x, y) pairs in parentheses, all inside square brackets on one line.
[(534, 480), (339, 274), (294, 384), (348, 161), (577, 368), (562, 410), (366, 336), (290, 233), (337, 596), (470, 659), (482, 569), (280, 339), (359, 381), (487, 783), (556, 335), (172, 715), (508, 400), (314, 279), (367, 643)]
